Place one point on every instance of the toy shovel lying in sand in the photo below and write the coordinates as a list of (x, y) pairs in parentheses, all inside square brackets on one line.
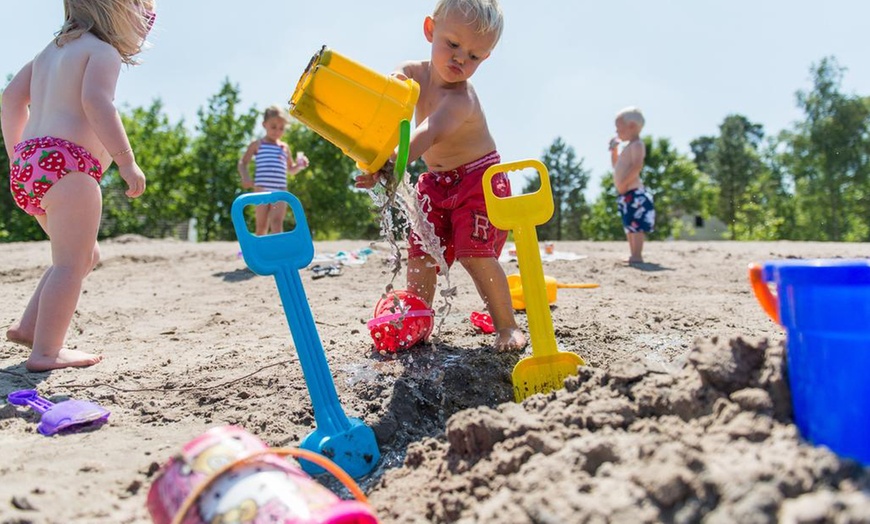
[(66, 415), (518, 301), (348, 442), (548, 367)]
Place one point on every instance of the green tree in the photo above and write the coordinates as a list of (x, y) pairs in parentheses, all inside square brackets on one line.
[(568, 180), (732, 162), (603, 222), (333, 207), (224, 132), (827, 157), (767, 212), (162, 151), (678, 186)]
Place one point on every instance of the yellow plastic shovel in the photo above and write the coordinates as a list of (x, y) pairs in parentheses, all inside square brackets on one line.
[(518, 300), (548, 367)]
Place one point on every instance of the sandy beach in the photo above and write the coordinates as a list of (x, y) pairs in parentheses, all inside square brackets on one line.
[(681, 414)]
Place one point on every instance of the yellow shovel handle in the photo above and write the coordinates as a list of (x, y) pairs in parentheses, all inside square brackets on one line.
[(762, 292)]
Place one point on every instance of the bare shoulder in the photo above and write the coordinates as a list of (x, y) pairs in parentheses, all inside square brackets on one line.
[(91, 44), (414, 69), (637, 148), (90, 47)]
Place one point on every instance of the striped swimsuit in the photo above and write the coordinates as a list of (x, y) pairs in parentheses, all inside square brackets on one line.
[(271, 167)]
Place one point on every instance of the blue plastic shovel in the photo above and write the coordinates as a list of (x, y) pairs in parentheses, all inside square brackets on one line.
[(346, 441)]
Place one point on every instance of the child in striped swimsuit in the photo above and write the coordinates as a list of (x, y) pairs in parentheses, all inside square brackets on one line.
[(273, 162)]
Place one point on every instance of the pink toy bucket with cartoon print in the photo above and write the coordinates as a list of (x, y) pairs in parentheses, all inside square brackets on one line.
[(228, 475)]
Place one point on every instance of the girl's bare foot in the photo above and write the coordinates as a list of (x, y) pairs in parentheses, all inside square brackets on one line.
[(66, 358), (635, 260), (17, 336), (510, 339)]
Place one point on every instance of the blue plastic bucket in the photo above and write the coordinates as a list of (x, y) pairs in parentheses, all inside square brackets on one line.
[(824, 305)]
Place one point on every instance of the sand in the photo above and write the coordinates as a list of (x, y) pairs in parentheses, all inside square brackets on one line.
[(681, 415)]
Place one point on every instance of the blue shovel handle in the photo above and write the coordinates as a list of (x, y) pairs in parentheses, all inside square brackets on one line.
[(282, 255)]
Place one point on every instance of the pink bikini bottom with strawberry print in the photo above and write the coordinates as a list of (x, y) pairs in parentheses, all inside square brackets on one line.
[(40, 162)]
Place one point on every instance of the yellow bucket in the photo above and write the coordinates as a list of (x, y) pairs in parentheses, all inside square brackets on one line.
[(353, 107)]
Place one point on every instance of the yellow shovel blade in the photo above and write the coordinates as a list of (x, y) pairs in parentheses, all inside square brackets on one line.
[(543, 374)]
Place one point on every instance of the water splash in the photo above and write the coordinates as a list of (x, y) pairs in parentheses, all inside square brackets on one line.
[(400, 212)]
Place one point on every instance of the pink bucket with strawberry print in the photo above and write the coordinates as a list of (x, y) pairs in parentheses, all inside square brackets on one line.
[(228, 475)]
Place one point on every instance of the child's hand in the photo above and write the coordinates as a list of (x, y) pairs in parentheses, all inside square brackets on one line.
[(135, 179), (247, 183), (385, 174), (301, 160), (614, 143), (366, 180)]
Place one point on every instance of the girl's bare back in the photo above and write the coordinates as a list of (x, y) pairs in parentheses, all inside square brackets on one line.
[(63, 80)]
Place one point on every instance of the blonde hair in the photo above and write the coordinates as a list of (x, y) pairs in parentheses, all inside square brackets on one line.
[(485, 15), (631, 114), (120, 23), (276, 111)]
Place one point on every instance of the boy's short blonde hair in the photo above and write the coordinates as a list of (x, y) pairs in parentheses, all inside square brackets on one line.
[(119, 23), (276, 111), (631, 114), (484, 15)]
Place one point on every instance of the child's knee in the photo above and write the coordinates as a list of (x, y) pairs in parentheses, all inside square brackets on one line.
[(95, 257)]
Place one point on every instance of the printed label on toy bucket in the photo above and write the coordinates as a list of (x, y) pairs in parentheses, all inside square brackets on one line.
[(228, 475)]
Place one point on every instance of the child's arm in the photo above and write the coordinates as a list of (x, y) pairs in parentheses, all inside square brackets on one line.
[(98, 93), (294, 165), (444, 120), (245, 161), (15, 111), (626, 172), (614, 151), (449, 116)]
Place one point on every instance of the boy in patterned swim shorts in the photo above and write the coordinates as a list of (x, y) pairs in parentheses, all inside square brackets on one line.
[(635, 202)]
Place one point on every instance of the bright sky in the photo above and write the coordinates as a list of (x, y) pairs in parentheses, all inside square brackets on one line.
[(563, 67)]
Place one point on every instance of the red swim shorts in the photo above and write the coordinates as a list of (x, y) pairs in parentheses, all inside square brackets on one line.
[(453, 202)]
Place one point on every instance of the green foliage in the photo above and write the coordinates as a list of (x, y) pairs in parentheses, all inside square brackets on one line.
[(827, 156), (568, 180), (732, 161), (678, 186), (603, 222), (767, 212), (334, 209), (224, 132), (162, 153)]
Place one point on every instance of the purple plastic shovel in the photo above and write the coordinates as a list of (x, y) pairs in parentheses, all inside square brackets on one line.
[(63, 415)]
